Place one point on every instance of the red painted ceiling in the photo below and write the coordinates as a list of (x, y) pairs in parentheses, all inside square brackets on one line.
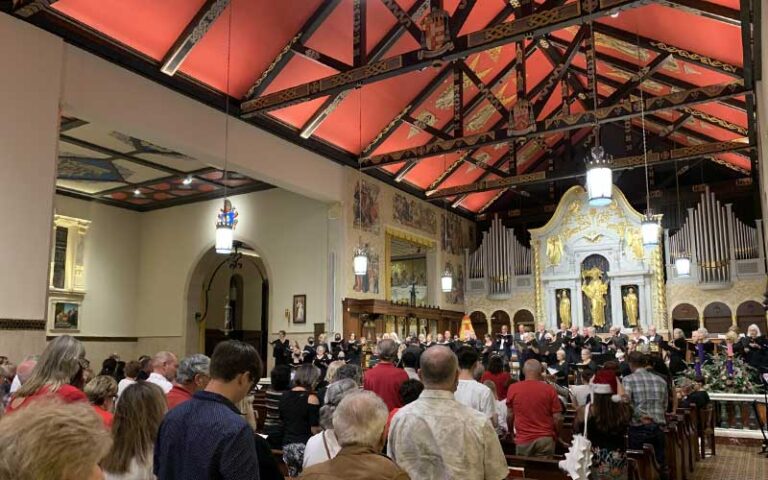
[(261, 29)]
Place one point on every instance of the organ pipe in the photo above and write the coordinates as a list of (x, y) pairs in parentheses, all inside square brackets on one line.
[(499, 259)]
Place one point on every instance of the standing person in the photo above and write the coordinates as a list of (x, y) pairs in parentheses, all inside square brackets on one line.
[(134, 441), (192, 376), (677, 351), (300, 415), (385, 379), (410, 361), (561, 368), (309, 352), (498, 376), (131, 373), (607, 422), (754, 348), (323, 446), (648, 395), (102, 392), (425, 437), (537, 413), (146, 367), (58, 373), (280, 382), (53, 441), (503, 343), (338, 345), (469, 391), (281, 349), (164, 366), (207, 436), (353, 349)]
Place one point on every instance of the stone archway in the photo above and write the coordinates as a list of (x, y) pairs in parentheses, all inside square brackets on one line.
[(717, 317), (499, 319), (479, 323), (685, 317), (526, 318), (750, 312)]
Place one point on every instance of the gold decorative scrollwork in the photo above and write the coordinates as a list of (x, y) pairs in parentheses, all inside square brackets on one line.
[(694, 56)]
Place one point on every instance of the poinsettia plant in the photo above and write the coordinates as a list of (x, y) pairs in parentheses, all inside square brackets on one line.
[(717, 379)]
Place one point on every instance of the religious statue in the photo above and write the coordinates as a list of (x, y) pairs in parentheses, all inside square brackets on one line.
[(595, 290), (630, 307), (564, 309), (554, 250), (635, 243)]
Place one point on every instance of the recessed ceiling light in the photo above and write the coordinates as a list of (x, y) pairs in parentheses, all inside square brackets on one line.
[(187, 181), (615, 15)]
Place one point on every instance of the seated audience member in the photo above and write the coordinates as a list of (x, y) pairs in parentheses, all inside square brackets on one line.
[(537, 413), (501, 411), (496, 374), (52, 440), (191, 376), (280, 381), (359, 425), (581, 392), (299, 412), (58, 373), (470, 392), (410, 361), (133, 442), (102, 392), (164, 366), (607, 423), (385, 379), (647, 392), (693, 394), (268, 468), (426, 437), (323, 446), (207, 436), (409, 392), (131, 373)]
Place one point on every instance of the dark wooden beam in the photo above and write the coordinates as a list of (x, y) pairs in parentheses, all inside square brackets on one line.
[(483, 89), (425, 127), (559, 70), (28, 8), (668, 130), (284, 56), (415, 13), (537, 24), (360, 32), (706, 9), (405, 19), (320, 58), (626, 109), (458, 101), (638, 79), (194, 32), (322, 113), (622, 163), (460, 15)]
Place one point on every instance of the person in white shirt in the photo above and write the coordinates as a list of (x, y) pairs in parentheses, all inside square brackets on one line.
[(131, 372), (470, 392), (164, 366), (23, 371), (436, 437), (323, 446), (581, 392)]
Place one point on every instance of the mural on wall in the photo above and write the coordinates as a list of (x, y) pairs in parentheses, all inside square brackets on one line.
[(414, 213), (630, 305), (455, 238), (409, 281), (368, 283), (366, 207), (456, 295)]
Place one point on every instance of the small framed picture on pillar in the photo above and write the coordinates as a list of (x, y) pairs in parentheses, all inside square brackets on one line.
[(299, 309)]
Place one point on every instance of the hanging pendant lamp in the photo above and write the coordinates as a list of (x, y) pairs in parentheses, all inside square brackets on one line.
[(446, 281), (599, 173), (683, 266), (360, 259), (650, 229)]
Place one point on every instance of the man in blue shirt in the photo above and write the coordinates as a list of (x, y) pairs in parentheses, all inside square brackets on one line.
[(207, 437)]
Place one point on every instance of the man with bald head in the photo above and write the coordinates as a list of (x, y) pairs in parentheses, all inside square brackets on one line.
[(436, 437), (537, 413), (385, 378), (164, 366)]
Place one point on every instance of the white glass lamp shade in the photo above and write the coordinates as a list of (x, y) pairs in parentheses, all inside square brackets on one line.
[(599, 186), (360, 263), (650, 229), (446, 282), (683, 266), (224, 239)]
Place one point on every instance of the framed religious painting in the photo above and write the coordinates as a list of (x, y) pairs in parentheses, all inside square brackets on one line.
[(299, 309), (64, 315)]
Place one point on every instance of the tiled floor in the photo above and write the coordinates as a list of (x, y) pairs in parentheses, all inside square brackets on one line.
[(733, 462)]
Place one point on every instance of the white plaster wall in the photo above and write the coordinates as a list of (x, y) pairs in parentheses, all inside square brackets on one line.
[(29, 105), (111, 266)]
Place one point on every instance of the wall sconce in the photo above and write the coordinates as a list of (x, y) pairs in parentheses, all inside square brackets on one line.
[(288, 314)]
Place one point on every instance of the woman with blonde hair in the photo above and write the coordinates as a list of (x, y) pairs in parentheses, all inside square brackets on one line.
[(102, 393), (137, 419), (53, 440), (58, 372)]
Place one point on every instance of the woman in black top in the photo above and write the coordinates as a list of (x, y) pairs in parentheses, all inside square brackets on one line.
[(300, 414), (561, 375), (677, 351), (353, 349), (280, 382), (607, 425)]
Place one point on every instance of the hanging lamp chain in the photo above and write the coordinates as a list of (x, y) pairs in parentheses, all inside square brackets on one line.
[(594, 82), (642, 124), (227, 99)]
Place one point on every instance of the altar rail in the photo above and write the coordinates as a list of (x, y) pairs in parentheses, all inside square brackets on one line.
[(735, 415)]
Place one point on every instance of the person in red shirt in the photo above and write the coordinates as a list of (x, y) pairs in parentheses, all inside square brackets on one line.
[(537, 413), (498, 376), (385, 378), (102, 392), (192, 376), (58, 373)]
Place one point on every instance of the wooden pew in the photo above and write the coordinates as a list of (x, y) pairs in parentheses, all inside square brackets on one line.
[(673, 451), (260, 408), (647, 467), (278, 454), (706, 429), (538, 467)]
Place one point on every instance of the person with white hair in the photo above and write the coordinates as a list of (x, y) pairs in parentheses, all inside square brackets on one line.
[(324, 446), (164, 366), (753, 347), (192, 376), (358, 422)]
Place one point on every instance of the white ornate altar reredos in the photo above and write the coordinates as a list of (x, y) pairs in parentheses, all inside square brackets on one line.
[(577, 232)]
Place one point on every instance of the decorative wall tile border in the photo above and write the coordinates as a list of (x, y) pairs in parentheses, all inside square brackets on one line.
[(21, 324)]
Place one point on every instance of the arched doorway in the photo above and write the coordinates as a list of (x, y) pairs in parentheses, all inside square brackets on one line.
[(479, 324), (748, 313), (228, 298), (686, 318), (498, 319), (717, 317), (525, 318)]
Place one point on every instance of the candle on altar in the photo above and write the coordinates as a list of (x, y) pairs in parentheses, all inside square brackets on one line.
[(699, 358)]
